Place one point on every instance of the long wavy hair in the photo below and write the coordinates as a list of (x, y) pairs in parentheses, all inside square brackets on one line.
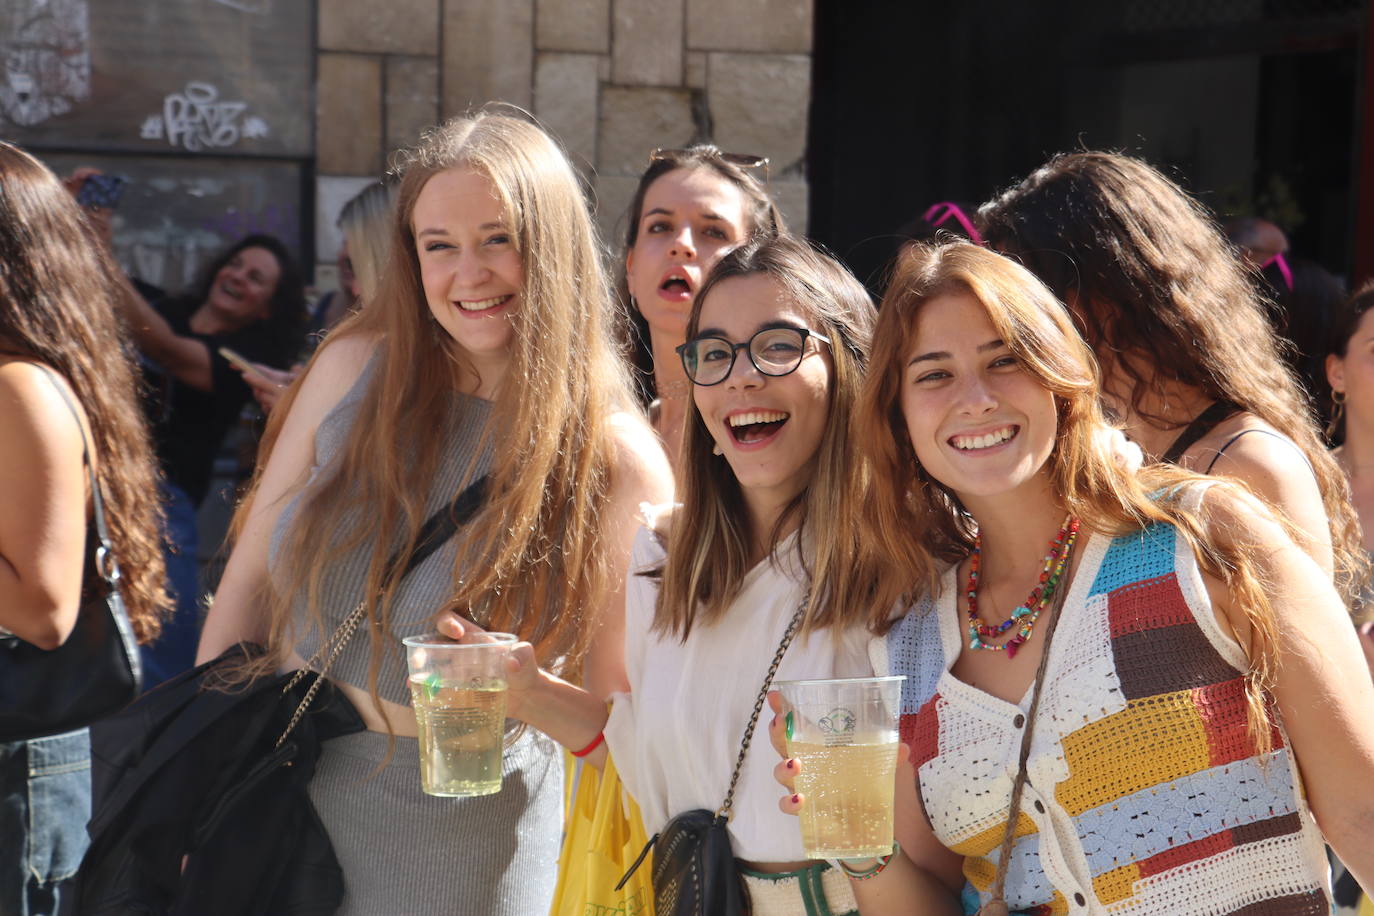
[(912, 525), (711, 538), (1163, 297), (762, 218), (534, 561), (58, 288)]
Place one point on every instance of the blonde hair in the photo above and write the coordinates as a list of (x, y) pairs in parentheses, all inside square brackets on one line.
[(535, 559), (911, 524), (711, 541), (366, 222)]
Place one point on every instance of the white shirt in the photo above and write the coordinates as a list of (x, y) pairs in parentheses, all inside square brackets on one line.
[(675, 737)]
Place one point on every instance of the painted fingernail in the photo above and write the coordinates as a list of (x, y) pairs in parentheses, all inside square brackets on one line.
[(796, 799), (790, 764)]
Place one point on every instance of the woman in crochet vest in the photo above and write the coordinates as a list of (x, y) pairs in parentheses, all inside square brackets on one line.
[(1202, 724)]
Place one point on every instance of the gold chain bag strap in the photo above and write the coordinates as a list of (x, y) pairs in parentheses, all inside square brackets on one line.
[(437, 529), (694, 871), (997, 905)]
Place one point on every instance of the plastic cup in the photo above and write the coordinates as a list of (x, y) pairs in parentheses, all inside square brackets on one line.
[(843, 732), (459, 694)]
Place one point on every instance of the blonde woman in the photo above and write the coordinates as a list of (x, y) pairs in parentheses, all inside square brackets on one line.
[(1200, 725), (489, 353)]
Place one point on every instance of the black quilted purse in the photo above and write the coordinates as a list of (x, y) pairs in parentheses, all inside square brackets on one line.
[(95, 672), (695, 873)]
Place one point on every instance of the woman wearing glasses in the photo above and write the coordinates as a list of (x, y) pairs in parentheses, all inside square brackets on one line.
[(691, 206), (489, 354), (1189, 360)]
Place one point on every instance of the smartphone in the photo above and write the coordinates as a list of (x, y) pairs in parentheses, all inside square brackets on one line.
[(102, 191), (238, 361)]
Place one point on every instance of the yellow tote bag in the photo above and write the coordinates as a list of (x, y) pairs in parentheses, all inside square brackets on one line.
[(604, 835)]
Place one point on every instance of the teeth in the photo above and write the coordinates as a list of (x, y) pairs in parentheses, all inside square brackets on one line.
[(986, 440), (757, 416), (480, 304)]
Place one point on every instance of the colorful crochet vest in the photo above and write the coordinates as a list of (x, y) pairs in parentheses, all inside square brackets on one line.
[(1145, 794)]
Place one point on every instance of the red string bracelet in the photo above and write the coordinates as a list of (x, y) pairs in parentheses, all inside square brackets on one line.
[(600, 736)]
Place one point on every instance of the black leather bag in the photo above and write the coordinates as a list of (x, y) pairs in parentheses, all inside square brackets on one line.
[(96, 671), (695, 873)]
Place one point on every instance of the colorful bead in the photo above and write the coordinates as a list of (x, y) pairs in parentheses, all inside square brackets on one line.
[(1027, 613)]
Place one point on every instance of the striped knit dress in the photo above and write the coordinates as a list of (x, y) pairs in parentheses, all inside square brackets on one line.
[(1145, 794)]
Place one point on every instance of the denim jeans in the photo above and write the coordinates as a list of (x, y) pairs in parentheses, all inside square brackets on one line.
[(45, 803), (175, 648)]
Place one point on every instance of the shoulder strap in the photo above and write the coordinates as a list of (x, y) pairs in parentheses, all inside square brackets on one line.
[(436, 530), (1201, 425), (106, 565), (1268, 432)]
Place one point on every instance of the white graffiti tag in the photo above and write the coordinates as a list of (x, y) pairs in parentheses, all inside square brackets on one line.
[(45, 50), (196, 118)]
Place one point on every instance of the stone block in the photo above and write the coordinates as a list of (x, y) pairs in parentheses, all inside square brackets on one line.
[(565, 96), (696, 69), (780, 26), (392, 27), (635, 120), (613, 197), (412, 99), (488, 53), (647, 46), (759, 104), (573, 25), (793, 201), (348, 116), (331, 193)]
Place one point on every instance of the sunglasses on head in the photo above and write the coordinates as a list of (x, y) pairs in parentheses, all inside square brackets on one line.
[(939, 214), (743, 160), (1284, 270)]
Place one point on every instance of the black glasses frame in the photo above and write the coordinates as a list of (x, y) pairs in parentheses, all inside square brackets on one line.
[(747, 346), (743, 160)]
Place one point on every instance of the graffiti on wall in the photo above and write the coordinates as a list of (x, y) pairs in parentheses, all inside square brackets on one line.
[(45, 52), (197, 118)]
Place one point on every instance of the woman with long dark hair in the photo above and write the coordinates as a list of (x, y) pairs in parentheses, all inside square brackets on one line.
[(61, 344), (1190, 361)]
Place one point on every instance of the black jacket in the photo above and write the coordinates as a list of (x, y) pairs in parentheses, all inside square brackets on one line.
[(192, 771)]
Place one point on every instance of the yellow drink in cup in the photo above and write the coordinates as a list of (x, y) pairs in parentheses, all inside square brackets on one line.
[(459, 694), (843, 732)]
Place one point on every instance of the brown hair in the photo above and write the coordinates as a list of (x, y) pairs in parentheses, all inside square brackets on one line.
[(58, 286), (911, 524), (1163, 296), (710, 541), (534, 560), (762, 216)]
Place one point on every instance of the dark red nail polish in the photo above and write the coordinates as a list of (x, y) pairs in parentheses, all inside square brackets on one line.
[(791, 764), (796, 799)]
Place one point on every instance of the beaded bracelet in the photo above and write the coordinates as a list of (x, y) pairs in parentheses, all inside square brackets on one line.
[(600, 736), (875, 869)]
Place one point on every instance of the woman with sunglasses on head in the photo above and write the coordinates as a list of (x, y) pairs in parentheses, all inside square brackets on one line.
[(1189, 359), (692, 205), (486, 355), (1178, 677)]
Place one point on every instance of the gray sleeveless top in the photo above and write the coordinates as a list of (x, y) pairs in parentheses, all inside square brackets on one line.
[(426, 588)]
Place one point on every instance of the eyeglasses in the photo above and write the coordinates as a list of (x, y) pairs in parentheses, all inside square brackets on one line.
[(937, 217), (743, 160), (773, 351)]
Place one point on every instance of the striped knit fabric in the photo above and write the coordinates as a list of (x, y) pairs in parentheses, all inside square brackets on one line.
[(1145, 794)]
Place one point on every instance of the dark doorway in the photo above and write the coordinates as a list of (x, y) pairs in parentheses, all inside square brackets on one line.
[(1254, 105)]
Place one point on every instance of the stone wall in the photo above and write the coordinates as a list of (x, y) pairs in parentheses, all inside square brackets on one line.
[(613, 79)]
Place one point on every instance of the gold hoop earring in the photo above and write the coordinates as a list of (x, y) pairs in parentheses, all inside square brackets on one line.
[(1337, 412)]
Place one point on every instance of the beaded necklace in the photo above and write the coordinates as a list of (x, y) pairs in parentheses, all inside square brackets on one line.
[(1029, 611)]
